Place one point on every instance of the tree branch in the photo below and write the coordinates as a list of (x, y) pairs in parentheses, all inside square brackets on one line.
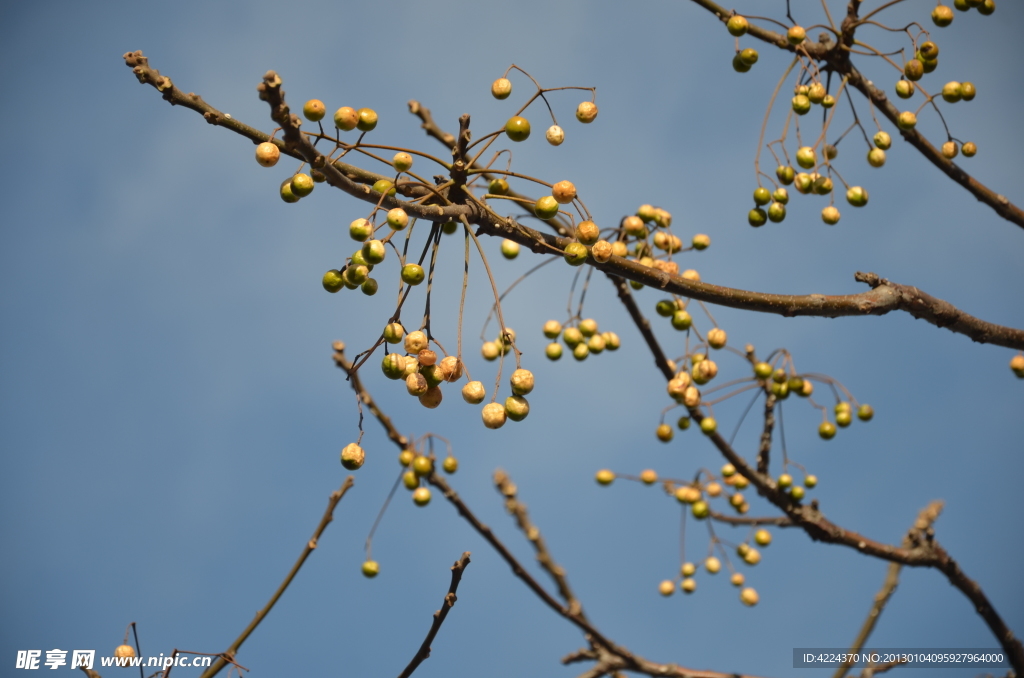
[(920, 530), (449, 601), (228, 655), (883, 298), (838, 59)]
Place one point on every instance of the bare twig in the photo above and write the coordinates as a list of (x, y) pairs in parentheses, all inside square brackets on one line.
[(228, 655), (920, 531), (508, 489), (449, 601)]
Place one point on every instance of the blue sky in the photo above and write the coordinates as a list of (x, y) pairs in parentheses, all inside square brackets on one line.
[(171, 418)]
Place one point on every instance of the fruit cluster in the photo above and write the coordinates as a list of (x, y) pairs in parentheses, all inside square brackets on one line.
[(811, 90)]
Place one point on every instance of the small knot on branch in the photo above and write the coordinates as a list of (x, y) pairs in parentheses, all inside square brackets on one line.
[(871, 279)]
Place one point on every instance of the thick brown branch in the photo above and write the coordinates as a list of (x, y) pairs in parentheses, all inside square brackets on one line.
[(449, 601), (228, 655), (882, 299), (998, 202)]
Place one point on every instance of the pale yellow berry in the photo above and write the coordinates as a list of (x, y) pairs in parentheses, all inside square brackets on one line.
[(474, 392)]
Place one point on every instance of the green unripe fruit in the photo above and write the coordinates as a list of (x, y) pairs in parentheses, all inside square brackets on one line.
[(410, 480), (987, 7), (701, 242), (785, 480), (776, 212), (681, 320), (810, 480), (421, 496), (553, 351), (830, 152), (942, 16), (450, 464), (575, 254), (968, 91), (683, 423), (708, 425), (796, 492), (739, 65), (611, 341), (795, 35), (906, 120), (370, 569), (749, 56), (961, 5), (822, 186), (757, 217), (302, 184), (517, 128), (402, 162), (763, 537), (664, 433), (421, 465), (780, 195), (865, 412), (830, 215), (803, 183), (801, 104), (314, 110), (384, 186), (413, 274), (393, 366), (828, 101), (433, 374), (816, 93), (785, 173), (588, 327), (762, 370), (883, 140), (930, 66), (346, 118), (572, 336), (827, 430), (969, 149), (352, 457), (373, 252), (552, 329), (357, 274), (516, 408), (762, 196), (498, 187), (929, 51), (737, 25), (700, 509), (509, 249), (360, 229), (333, 281), (876, 157), (951, 92), (806, 157), (393, 333), (666, 308), (449, 227), (857, 196), (367, 119), (546, 207), (581, 351)]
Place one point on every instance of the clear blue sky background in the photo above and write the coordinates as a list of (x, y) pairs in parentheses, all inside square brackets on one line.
[(170, 418)]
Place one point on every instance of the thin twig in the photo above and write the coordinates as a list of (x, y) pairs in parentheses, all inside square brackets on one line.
[(449, 601)]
